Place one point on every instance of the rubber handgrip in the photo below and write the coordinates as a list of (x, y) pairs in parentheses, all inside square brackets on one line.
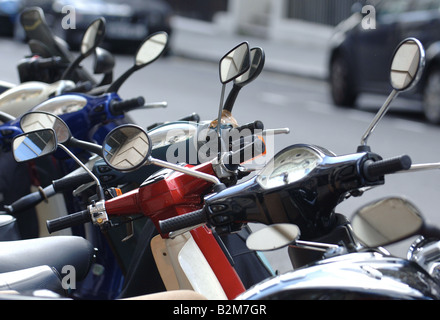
[(71, 182), (68, 221), (379, 168), (119, 107), (250, 151), (183, 221), (252, 126), (25, 202)]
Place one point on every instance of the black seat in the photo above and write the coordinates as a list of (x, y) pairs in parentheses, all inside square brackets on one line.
[(56, 252), (27, 281)]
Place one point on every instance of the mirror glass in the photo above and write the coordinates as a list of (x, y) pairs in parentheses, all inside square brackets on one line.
[(151, 49), (126, 147), (407, 64), (386, 221), (34, 144), (235, 63), (273, 237), (257, 63), (93, 36), (42, 120)]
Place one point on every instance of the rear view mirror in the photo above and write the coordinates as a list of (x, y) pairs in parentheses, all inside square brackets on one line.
[(235, 63), (273, 237), (37, 120), (407, 64), (406, 68), (33, 145), (93, 36), (256, 66), (126, 148), (257, 59), (91, 39), (386, 221), (151, 49)]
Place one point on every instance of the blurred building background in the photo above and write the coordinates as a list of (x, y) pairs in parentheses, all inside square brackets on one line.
[(267, 18)]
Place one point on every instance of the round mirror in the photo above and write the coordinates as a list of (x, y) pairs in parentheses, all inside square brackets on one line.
[(386, 221), (235, 63), (93, 36), (126, 147), (273, 237), (37, 120), (407, 64), (257, 64), (35, 144), (151, 48)]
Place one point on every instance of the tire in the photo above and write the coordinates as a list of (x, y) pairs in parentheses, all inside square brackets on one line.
[(341, 84), (431, 96)]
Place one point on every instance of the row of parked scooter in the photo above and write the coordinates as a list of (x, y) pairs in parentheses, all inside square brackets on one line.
[(164, 212)]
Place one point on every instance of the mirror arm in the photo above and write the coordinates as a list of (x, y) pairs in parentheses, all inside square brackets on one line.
[(376, 120), (72, 67), (185, 170), (88, 146), (317, 246), (99, 189), (230, 101), (219, 117), (114, 87), (107, 79)]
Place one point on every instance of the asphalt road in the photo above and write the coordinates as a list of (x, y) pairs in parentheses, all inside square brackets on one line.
[(278, 100)]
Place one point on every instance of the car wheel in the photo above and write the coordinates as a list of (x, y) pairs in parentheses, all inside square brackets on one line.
[(342, 91), (431, 96)]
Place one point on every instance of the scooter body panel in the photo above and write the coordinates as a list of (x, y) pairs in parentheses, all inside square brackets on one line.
[(363, 276)]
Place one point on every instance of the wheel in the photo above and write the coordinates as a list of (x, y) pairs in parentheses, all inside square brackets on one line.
[(342, 91), (431, 96)]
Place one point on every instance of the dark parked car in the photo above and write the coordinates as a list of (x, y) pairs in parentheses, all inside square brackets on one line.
[(9, 10), (128, 22), (359, 59)]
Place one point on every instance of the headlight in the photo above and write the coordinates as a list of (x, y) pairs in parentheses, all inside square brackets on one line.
[(63, 104), (289, 166), (19, 95), (171, 133)]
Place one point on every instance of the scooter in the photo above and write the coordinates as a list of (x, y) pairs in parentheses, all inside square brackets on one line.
[(68, 218), (21, 98), (295, 195)]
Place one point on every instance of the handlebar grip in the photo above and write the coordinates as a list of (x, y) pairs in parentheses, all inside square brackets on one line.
[(183, 221), (25, 202), (119, 107), (252, 126), (246, 153), (71, 182), (193, 117), (375, 169), (68, 221)]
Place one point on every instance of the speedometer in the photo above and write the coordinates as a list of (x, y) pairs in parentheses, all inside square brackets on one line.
[(289, 166)]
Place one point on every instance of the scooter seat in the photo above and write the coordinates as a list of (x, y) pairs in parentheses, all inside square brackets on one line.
[(27, 281), (56, 252)]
